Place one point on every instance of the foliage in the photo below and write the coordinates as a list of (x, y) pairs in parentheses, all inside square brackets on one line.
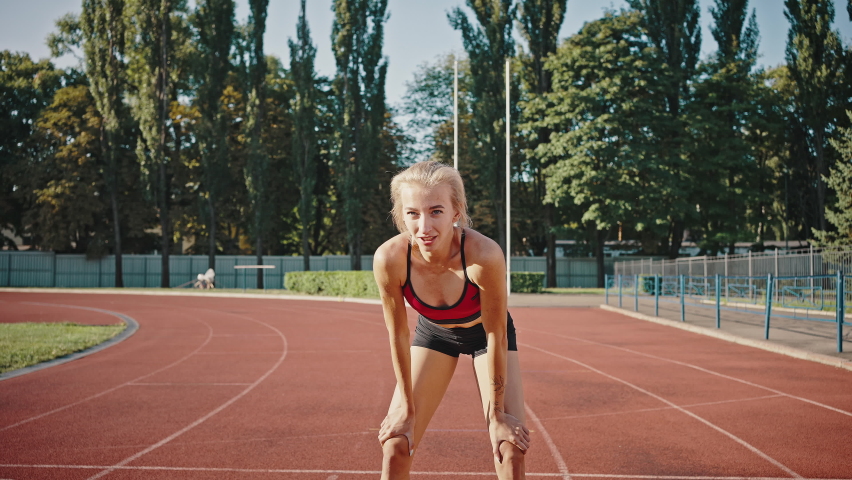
[(25, 344), (337, 284), (305, 119), (359, 87), (488, 43), (527, 282), (841, 181)]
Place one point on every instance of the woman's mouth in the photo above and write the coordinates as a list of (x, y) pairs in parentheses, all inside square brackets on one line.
[(427, 240)]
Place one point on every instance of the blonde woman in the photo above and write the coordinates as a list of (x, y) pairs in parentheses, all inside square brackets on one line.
[(455, 278)]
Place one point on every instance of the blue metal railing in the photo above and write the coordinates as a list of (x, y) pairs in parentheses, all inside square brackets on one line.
[(821, 298)]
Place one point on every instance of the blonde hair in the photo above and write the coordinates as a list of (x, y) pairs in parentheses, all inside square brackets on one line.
[(429, 174)]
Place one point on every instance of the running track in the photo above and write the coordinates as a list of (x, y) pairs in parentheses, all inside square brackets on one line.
[(229, 388)]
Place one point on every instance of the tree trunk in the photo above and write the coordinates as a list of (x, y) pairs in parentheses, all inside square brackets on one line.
[(551, 246), (306, 249), (119, 272), (676, 239), (259, 250), (165, 281), (600, 238), (355, 252), (211, 230)]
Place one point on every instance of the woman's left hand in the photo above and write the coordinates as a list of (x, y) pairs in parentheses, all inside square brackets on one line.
[(504, 427)]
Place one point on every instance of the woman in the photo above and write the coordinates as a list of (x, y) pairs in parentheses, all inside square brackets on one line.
[(459, 277)]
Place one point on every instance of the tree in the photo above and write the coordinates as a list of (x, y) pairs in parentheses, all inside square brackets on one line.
[(540, 23), (103, 27), (26, 88), (214, 20), (357, 37), (719, 117), (305, 158), (605, 124), (150, 51), (815, 59), (673, 28), (488, 45), (258, 161), (840, 180)]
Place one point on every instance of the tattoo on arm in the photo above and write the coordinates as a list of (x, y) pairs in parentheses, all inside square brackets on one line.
[(499, 387)]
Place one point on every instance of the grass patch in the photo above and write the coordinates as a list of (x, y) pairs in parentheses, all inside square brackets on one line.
[(25, 344), (575, 291)]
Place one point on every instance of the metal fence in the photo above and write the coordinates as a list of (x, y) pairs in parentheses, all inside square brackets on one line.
[(821, 298), (46, 269), (790, 263)]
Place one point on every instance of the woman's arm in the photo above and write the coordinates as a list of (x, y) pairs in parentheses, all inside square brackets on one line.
[(489, 273), (491, 279), (386, 271)]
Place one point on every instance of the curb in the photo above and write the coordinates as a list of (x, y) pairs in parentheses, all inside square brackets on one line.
[(131, 326), (761, 344), (190, 293)]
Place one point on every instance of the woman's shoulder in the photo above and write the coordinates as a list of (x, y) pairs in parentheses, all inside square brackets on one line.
[(481, 250), (392, 253)]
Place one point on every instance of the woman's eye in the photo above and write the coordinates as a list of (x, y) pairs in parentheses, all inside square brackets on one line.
[(437, 212)]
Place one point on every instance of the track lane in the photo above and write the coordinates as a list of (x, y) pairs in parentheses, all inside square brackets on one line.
[(292, 426)]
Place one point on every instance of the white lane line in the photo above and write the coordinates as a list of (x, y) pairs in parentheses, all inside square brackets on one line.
[(157, 468), (129, 382), (554, 451), (332, 477), (730, 435), (701, 369), (188, 384), (210, 414), (643, 410)]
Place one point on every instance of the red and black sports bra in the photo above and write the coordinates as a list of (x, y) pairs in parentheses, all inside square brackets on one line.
[(467, 309)]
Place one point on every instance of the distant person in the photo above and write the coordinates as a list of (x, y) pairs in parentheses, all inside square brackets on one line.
[(459, 277), (206, 280)]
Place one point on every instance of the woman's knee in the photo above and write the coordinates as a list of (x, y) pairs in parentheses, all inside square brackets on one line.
[(396, 448), (513, 457)]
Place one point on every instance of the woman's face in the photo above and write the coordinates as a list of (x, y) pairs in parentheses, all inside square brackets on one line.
[(429, 215)]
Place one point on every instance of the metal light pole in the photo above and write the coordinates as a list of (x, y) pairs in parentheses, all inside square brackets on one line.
[(508, 186), (456, 114)]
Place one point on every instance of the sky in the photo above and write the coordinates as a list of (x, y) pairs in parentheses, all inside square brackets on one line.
[(416, 33)]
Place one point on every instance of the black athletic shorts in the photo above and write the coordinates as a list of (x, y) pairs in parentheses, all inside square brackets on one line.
[(455, 341)]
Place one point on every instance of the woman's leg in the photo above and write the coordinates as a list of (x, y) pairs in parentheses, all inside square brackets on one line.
[(513, 398), (431, 372)]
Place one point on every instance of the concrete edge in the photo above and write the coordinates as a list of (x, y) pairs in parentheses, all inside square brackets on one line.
[(131, 326), (190, 293), (761, 344)]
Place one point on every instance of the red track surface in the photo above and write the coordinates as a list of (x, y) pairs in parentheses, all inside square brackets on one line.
[(228, 388)]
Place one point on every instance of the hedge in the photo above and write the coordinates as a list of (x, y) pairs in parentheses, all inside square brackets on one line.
[(335, 284), (527, 282), (362, 284)]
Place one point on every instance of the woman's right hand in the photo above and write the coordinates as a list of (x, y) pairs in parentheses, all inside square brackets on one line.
[(398, 422)]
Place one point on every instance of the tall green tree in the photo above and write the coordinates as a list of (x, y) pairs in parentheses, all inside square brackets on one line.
[(815, 58), (26, 88), (540, 22), (305, 123), (840, 180), (214, 20), (357, 38), (488, 44), (718, 117), (150, 51), (673, 28), (605, 124), (103, 26), (258, 160)]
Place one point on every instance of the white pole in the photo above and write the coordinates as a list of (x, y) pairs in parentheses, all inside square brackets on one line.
[(508, 186), (456, 115)]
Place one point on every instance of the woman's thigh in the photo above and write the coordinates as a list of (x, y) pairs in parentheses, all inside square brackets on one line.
[(431, 372), (513, 395)]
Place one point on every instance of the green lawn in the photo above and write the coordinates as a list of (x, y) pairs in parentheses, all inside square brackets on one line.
[(24, 344)]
